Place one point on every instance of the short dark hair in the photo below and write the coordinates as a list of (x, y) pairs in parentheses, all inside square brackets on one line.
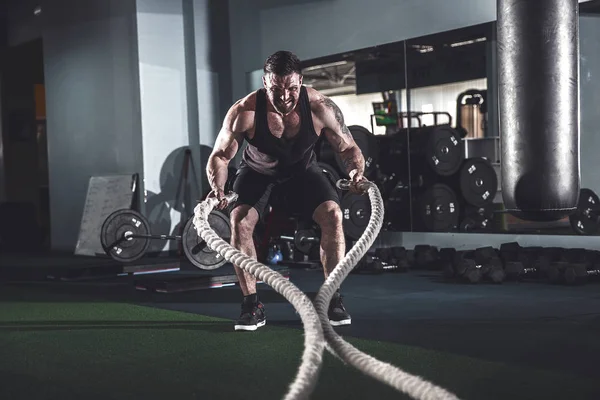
[(282, 63)]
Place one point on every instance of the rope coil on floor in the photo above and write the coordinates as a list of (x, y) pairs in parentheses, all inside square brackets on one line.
[(318, 330), (314, 342)]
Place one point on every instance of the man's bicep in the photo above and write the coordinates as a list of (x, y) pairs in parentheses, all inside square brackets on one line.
[(227, 143), (232, 133)]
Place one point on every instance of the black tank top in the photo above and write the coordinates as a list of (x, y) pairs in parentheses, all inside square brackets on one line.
[(276, 157)]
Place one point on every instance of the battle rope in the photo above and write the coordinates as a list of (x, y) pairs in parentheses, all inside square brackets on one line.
[(314, 341), (412, 385), (317, 332)]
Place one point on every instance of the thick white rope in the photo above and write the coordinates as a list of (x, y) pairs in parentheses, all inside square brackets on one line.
[(314, 342), (316, 332), (402, 381)]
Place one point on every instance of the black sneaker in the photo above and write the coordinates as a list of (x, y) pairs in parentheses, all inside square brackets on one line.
[(337, 313), (252, 317)]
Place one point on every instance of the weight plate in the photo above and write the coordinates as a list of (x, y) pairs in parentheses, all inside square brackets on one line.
[(584, 220), (356, 212), (443, 149), (116, 227), (301, 244), (437, 208), (478, 181), (197, 250)]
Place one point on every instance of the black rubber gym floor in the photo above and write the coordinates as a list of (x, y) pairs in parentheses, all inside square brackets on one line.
[(92, 339)]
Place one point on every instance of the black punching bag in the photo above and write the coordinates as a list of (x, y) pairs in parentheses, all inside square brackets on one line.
[(538, 85)]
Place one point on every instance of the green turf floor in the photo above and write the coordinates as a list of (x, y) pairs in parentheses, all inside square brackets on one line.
[(99, 350)]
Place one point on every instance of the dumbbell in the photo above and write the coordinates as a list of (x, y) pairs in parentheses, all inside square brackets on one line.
[(570, 273), (380, 266), (555, 271), (519, 261), (371, 264), (572, 266), (426, 256), (485, 260), (515, 270), (542, 266), (463, 268), (492, 268), (399, 257), (382, 260), (383, 254), (363, 266), (527, 262), (578, 274), (475, 266), (394, 258)]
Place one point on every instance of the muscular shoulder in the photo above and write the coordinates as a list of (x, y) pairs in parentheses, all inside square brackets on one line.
[(240, 117), (317, 100), (324, 109)]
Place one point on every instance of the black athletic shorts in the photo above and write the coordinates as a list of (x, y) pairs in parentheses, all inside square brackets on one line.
[(301, 193)]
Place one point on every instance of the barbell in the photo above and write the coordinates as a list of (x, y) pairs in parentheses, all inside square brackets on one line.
[(303, 240), (125, 236)]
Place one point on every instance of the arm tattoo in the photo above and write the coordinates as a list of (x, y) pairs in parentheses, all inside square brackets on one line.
[(339, 117)]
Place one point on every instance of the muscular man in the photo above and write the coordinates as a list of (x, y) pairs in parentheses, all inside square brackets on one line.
[(281, 124)]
